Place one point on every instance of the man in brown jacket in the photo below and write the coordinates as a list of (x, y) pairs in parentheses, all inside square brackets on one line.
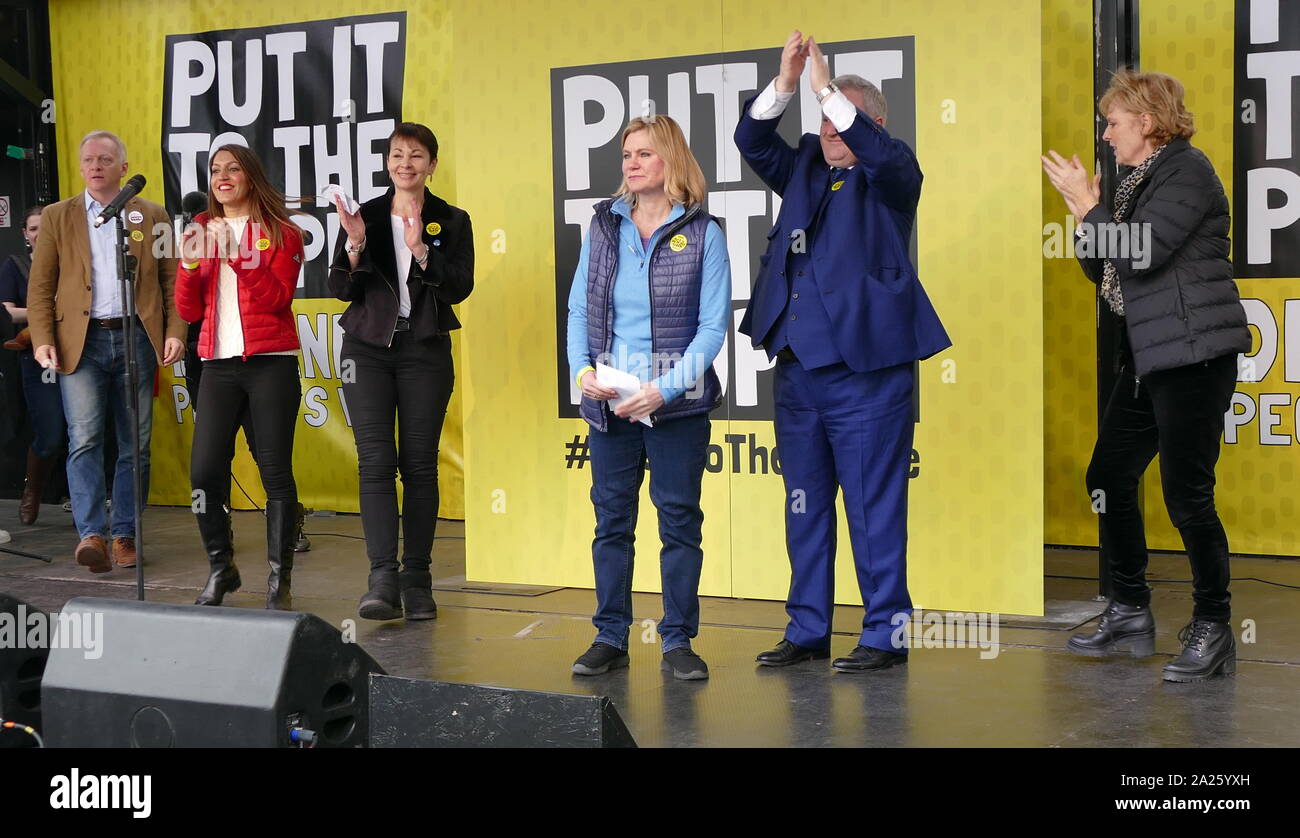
[(76, 317)]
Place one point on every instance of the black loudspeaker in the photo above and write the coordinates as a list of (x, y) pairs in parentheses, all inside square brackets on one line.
[(410, 713), (21, 667), (188, 676)]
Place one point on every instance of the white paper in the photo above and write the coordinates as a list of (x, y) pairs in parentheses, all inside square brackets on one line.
[(624, 383), (332, 190)]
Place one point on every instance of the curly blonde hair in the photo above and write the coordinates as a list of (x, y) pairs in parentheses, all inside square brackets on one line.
[(1156, 94)]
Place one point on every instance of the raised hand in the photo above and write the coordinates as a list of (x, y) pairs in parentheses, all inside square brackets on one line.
[(192, 243), (819, 73), (793, 56), (350, 222), (413, 231), (1081, 191)]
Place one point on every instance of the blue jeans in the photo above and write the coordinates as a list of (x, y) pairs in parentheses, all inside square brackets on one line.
[(44, 407), (89, 393), (677, 450)]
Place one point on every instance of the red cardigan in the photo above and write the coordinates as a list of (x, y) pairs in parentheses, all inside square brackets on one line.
[(267, 280)]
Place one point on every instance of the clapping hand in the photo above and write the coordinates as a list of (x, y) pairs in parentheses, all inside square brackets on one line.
[(793, 57), (819, 71), (1071, 179), (413, 231)]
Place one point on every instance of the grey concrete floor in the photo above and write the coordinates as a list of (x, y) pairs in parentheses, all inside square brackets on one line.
[(1031, 694)]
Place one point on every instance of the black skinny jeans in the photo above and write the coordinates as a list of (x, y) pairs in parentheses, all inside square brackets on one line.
[(1177, 413), (411, 381), (266, 389)]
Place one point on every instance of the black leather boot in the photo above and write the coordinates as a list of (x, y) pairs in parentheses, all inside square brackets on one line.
[(1128, 629), (280, 515), (382, 601), (218, 541), (417, 594), (301, 543), (1209, 649)]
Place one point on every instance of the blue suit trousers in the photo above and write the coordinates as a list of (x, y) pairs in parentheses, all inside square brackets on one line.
[(837, 429)]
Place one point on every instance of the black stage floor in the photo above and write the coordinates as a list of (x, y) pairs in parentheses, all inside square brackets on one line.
[(1031, 694)]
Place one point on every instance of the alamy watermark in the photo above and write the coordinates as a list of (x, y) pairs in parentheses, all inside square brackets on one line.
[(1115, 240), (34, 629), (946, 630)]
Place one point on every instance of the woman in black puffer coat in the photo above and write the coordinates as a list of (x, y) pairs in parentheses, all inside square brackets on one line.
[(1160, 257)]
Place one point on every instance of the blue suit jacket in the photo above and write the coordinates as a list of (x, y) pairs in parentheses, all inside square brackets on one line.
[(880, 315)]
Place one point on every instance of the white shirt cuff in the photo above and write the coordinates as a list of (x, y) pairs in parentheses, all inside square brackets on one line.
[(770, 103), (839, 110)]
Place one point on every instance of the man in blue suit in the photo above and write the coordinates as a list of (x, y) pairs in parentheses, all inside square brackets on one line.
[(837, 303)]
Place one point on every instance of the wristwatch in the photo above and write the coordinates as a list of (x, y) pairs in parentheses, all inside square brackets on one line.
[(350, 249), (828, 90)]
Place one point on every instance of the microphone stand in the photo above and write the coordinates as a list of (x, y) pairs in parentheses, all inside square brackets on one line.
[(126, 268)]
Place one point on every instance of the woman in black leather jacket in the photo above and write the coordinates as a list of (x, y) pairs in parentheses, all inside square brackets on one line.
[(407, 257), (1165, 272)]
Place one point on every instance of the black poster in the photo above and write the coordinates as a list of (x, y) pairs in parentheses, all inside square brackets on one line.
[(315, 100), (590, 106), (1266, 140)]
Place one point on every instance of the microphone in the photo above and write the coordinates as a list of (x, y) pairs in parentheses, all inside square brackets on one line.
[(191, 205), (133, 187)]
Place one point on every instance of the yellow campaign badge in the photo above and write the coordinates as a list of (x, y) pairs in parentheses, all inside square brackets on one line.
[(433, 228), (263, 244), (837, 185), (137, 236), (678, 243)]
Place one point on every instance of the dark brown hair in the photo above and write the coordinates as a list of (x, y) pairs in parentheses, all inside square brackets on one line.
[(416, 133), (266, 203), (35, 209)]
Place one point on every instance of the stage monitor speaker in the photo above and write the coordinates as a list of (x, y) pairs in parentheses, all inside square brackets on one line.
[(188, 676), (24, 647), (411, 713)]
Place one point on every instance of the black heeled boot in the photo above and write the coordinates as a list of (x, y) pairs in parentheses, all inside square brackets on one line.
[(1209, 649), (218, 541), (1124, 628), (382, 601), (417, 594), (280, 515)]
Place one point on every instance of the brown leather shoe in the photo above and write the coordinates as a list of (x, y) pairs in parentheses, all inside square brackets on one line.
[(124, 552), (92, 554)]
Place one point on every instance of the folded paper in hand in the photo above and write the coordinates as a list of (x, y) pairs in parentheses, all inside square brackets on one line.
[(624, 383), (333, 190)]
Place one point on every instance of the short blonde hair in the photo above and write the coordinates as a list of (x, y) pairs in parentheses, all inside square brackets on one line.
[(1156, 94), (683, 178)]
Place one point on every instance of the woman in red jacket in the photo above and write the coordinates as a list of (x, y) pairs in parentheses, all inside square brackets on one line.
[(239, 268)]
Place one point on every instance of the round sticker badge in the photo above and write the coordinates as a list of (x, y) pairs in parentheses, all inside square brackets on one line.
[(835, 187), (433, 228), (678, 243), (137, 236), (135, 216), (263, 244)]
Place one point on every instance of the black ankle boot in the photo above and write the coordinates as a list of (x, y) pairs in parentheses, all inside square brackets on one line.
[(218, 542), (1209, 649), (417, 594), (280, 516), (1124, 628), (382, 601)]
